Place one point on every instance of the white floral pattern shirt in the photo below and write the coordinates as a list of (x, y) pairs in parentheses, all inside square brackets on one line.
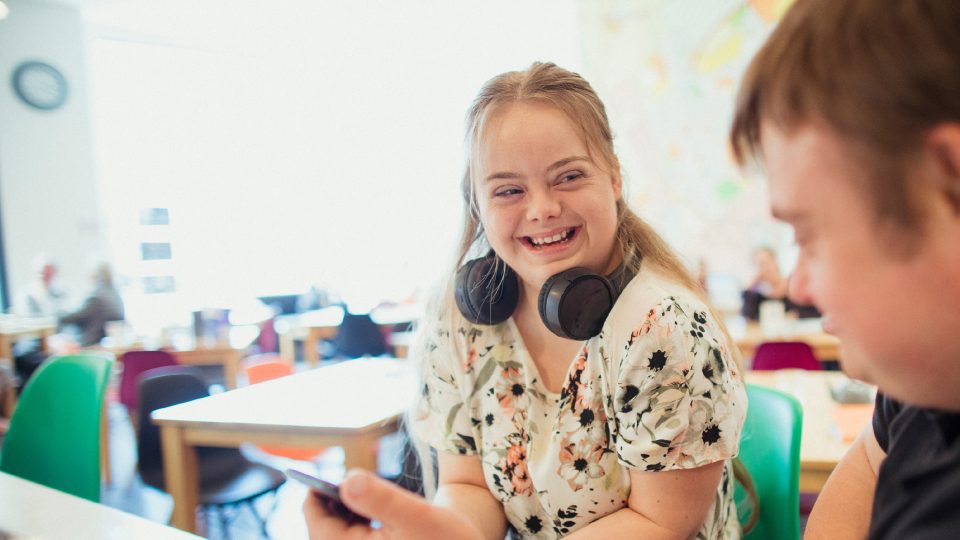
[(653, 391)]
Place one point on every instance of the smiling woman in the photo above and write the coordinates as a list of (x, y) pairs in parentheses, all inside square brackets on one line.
[(538, 429)]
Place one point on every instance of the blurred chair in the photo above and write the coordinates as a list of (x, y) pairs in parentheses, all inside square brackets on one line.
[(135, 363), (268, 341), (770, 451), (54, 436), (228, 479), (265, 367), (358, 336), (785, 355)]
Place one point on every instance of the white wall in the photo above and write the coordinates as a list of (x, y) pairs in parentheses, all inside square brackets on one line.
[(297, 142), (47, 178)]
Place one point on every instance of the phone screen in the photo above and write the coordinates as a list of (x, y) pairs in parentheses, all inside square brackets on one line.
[(329, 493)]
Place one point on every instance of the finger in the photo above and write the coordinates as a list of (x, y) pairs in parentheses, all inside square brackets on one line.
[(320, 523), (391, 505)]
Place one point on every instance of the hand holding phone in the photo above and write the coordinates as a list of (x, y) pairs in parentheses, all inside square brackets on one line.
[(329, 495)]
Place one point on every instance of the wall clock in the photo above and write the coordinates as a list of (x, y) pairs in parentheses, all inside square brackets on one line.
[(40, 85)]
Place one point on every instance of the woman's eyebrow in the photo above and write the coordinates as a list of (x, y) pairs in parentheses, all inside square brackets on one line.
[(566, 161), (503, 176), (508, 175)]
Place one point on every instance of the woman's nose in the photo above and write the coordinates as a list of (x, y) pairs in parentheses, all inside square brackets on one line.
[(542, 205)]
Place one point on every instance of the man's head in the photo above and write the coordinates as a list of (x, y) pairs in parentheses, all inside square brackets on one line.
[(854, 110)]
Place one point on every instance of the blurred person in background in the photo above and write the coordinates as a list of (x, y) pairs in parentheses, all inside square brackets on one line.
[(100, 307), (43, 297), (769, 283)]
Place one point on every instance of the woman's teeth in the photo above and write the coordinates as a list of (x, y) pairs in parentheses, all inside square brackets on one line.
[(540, 242)]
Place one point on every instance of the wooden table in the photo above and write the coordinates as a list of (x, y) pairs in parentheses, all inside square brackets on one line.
[(13, 329), (313, 326), (30, 510), (822, 443), (748, 336), (351, 404)]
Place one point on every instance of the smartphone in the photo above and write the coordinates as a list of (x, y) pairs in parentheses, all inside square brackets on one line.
[(329, 494)]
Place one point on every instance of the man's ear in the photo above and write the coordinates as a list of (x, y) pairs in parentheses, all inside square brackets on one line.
[(943, 147)]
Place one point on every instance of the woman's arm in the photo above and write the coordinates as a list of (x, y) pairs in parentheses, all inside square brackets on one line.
[(464, 508), (662, 505), (462, 488)]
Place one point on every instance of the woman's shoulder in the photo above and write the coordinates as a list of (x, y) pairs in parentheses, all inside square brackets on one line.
[(449, 330), (652, 291)]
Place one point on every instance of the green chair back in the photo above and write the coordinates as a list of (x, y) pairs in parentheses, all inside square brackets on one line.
[(770, 451), (54, 434)]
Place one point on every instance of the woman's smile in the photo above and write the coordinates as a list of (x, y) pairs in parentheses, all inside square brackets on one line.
[(551, 242)]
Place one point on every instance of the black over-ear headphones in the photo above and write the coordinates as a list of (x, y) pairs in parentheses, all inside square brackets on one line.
[(572, 304)]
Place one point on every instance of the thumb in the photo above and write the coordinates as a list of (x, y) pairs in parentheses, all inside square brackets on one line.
[(381, 500)]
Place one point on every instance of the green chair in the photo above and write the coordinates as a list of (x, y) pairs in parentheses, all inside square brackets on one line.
[(54, 435), (770, 451)]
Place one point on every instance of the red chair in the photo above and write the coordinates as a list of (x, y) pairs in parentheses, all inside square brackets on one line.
[(268, 341), (134, 364), (265, 367), (785, 355)]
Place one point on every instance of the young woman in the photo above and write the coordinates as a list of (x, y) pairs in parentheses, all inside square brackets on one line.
[(624, 425)]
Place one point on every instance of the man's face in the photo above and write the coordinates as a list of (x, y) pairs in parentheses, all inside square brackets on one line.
[(896, 315)]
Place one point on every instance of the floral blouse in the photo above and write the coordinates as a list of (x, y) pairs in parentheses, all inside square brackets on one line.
[(654, 390)]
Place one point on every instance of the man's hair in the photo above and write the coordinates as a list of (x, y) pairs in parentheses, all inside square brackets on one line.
[(879, 73)]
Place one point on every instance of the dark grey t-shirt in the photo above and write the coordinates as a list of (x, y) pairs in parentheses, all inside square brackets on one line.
[(918, 488)]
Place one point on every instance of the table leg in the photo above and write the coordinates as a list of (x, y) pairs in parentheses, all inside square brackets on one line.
[(105, 443), (180, 477), (6, 357), (288, 348), (43, 340), (231, 369), (310, 353)]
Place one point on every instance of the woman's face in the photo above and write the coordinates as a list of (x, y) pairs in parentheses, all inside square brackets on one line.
[(544, 204)]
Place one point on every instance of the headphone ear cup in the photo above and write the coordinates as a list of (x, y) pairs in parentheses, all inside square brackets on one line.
[(486, 292), (575, 303)]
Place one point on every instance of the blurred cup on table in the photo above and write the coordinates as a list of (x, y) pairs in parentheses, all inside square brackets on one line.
[(116, 332), (60, 344), (773, 318)]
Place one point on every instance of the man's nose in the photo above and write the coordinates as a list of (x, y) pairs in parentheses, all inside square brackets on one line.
[(797, 287)]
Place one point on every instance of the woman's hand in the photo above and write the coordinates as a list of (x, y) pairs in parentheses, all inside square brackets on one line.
[(402, 515)]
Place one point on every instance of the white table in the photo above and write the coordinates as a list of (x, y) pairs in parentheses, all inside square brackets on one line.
[(351, 404), (30, 510), (821, 443)]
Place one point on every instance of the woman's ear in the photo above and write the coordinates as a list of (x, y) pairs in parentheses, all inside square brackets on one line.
[(617, 178), (943, 147)]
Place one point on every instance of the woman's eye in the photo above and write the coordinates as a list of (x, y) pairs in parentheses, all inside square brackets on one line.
[(571, 176), (506, 192)]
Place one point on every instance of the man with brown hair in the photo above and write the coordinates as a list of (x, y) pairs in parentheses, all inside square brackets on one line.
[(853, 108)]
